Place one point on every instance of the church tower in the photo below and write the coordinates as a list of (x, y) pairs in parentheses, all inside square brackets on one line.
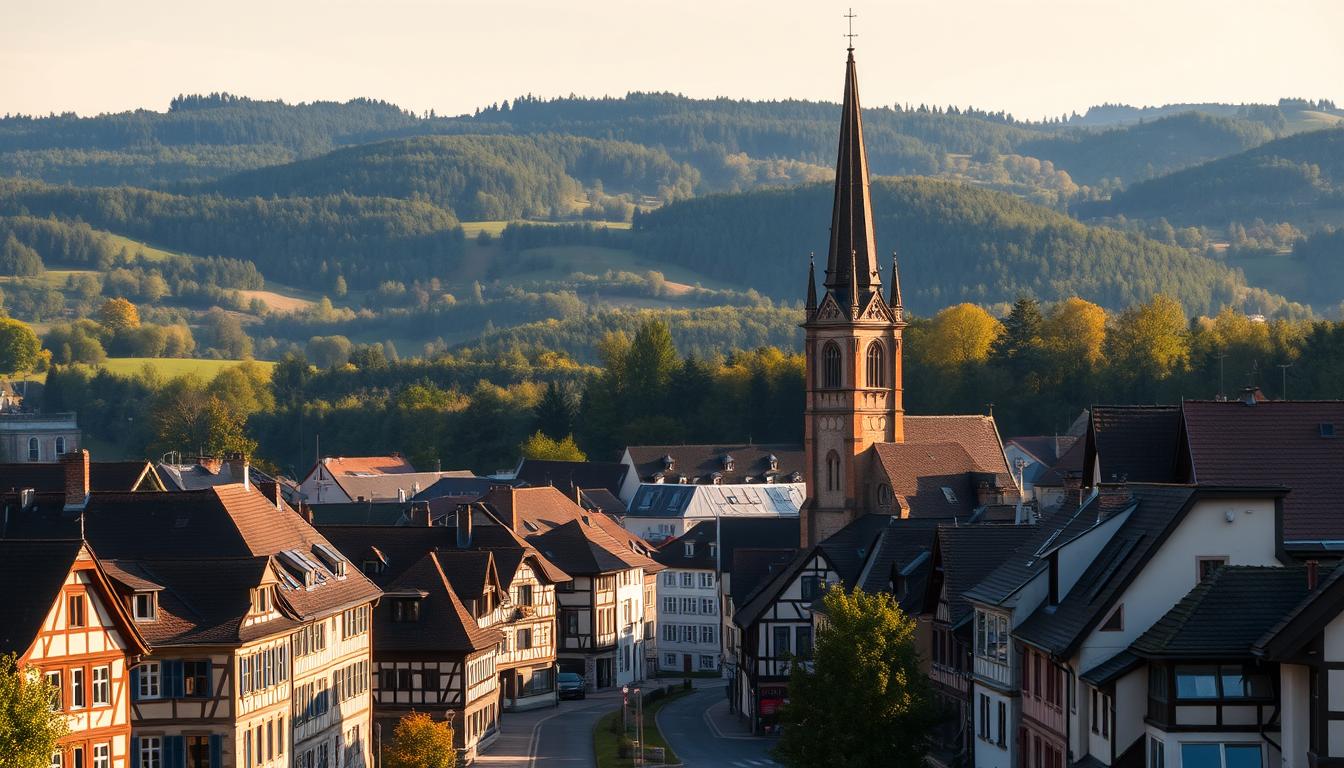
[(852, 345)]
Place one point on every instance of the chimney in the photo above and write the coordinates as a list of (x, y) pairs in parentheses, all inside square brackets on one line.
[(1113, 497), (1312, 574), (463, 526), (239, 469), (420, 513), (1073, 487), (306, 512), (76, 466), (210, 464), (503, 498), (401, 495), (271, 490)]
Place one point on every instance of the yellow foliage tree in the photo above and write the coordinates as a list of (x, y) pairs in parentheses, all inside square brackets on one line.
[(420, 742), (118, 314), (1075, 330), (960, 335)]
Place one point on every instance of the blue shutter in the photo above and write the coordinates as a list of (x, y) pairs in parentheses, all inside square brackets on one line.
[(216, 751), (174, 755), (135, 695), (135, 742), (171, 672)]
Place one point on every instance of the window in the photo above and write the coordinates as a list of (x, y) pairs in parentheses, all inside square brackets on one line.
[(33, 453), (830, 366), (707, 580), (261, 600), (781, 646), (876, 369), (151, 752), (77, 757), (670, 659), (102, 757), (688, 605), (802, 641), (54, 683), (832, 471), (984, 717), (354, 622), (76, 617), (1207, 565), (311, 639), (1157, 753), (524, 639), (707, 633), (991, 636), (145, 606), (102, 691), (525, 594), (1003, 724), (55, 761), (1115, 622), (688, 550), (707, 606), (670, 633), (77, 688), (688, 578), (811, 586), (196, 678), (669, 605), (1221, 755), (669, 579), (571, 623), (60, 446), (149, 680), (405, 610)]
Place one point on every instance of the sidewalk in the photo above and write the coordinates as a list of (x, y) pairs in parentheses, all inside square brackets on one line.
[(728, 725)]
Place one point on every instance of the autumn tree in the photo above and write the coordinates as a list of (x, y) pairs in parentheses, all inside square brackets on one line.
[(1075, 330), (118, 315), (420, 742), (540, 446), (863, 700), (960, 335), (186, 416), (29, 727)]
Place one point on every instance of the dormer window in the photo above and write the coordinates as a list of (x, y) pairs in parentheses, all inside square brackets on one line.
[(949, 494), (659, 478), (728, 462), (716, 478), (713, 548), (371, 567), (669, 463), (773, 460), (689, 548), (262, 600), (796, 477), (145, 606), (405, 609)]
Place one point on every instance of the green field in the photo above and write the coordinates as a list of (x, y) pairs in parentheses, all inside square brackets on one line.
[(173, 366), (131, 246), (474, 228)]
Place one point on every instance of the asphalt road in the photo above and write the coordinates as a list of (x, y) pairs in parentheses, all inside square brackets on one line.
[(685, 726), (553, 737)]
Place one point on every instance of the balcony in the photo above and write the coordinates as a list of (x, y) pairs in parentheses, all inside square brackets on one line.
[(1001, 675)]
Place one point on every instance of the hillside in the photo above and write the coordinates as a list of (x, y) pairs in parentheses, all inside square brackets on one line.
[(1148, 149), (1297, 179), (957, 243)]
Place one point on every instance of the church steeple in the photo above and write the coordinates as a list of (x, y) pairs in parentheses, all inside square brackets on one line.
[(811, 287), (851, 264), (897, 306)]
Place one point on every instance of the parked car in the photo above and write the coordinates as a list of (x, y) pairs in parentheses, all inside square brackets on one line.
[(571, 685)]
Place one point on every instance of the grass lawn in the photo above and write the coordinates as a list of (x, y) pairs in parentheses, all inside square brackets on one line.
[(173, 366), (474, 228), (606, 745)]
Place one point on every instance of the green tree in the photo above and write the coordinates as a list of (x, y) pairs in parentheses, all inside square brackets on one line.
[(649, 365), (863, 701), (420, 742), (539, 446), (186, 416), (329, 351), (226, 335), (29, 728), (19, 259), (1150, 340), (555, 415), (19, 347)]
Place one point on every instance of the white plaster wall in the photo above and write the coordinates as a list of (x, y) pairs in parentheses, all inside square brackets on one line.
[(629, 635), (1295, 700), (988, 754), (1077, 555), (1131, 706)]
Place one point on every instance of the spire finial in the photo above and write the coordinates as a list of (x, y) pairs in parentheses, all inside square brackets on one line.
[(850, 16), (811, 285)]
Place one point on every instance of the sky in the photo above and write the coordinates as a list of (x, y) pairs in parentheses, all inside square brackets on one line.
[(1032, 58)]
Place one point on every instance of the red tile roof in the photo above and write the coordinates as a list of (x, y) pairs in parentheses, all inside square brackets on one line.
[(954, 452)]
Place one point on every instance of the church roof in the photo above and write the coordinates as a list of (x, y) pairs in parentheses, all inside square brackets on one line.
[(851, 263), (935, 472)]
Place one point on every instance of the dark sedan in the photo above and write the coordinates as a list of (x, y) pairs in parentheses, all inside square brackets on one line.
[(571, 685)]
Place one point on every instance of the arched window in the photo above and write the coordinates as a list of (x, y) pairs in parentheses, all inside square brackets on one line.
[(833, 471), (830, 366), (60, 446), (33, 453), (877, 370)]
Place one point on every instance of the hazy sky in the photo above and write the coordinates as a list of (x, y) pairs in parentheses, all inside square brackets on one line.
[(1031, 57)]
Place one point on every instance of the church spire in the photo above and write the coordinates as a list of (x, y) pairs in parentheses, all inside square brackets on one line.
[(851, 266), (811, 286), (896, 304)]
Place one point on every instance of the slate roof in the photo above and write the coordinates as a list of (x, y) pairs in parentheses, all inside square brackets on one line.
[(1071, 461), (751, 566), (1057, 629), (966, 554), (1134, 443), (601, 500), (703, 461), (35, 572), (465, 488), (1112, 669), (1275, 443), (766, 532), (357, 513), (568, 475), (954, 452), (444, 625), (387, 487), (1028, 560), (1224, 615), (49, 477), (1045, 448), (1309, 615), (707, 501), (195, 476)]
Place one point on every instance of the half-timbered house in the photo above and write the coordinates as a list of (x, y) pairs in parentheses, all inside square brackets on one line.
[(62, 618)]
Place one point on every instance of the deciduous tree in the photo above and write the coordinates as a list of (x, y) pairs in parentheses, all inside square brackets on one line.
[(29, 728), (420, 742)]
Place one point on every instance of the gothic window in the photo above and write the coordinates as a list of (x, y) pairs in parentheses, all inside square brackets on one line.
[(830, 366), (833, 471), (877, 376)]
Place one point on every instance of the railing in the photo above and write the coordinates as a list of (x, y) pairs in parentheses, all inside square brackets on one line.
[(948, 676), (994, 672)]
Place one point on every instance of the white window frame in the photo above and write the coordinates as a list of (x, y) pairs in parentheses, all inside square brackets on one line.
[(34, 449), (102, 686), (707, 580), (151, 752), (147, 600), (151, 684), (79, 689), (102, 756)]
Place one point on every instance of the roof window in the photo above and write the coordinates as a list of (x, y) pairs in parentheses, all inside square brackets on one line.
[(949, 494), (1327, 429)]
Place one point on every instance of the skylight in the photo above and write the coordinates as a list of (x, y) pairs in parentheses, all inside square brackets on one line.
[(949, 494)]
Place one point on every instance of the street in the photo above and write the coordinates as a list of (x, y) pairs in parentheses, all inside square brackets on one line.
[(559, 737), (686, 724)]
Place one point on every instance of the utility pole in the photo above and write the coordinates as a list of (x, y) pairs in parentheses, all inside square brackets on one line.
[(1283, 368), (1221, 394)]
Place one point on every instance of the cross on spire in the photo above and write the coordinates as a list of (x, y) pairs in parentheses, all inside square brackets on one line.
[(850, 16)]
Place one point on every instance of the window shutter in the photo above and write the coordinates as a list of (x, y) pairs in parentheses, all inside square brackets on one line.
[(135, 742), (135, 696), (174, 669), (216, 751), (173, 751)]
